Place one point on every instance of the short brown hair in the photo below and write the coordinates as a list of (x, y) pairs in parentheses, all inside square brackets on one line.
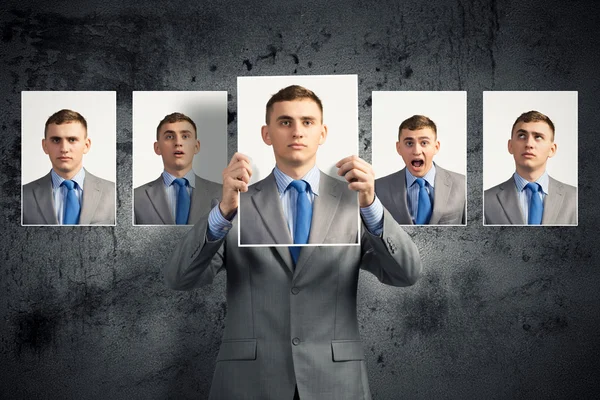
[(417, 122), (290, 93), (65, 116), (175, 117), (533, 116)]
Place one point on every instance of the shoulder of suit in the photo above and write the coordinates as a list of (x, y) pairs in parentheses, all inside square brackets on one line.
[(46, 179), (387, 179), (564, 187), (96, 180), (495, 189), (455, 176)]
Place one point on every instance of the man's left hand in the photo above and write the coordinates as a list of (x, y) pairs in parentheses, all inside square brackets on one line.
[(360, 176)]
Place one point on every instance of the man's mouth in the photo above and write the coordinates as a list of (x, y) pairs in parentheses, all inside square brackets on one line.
[(417, 163), (297, 146), (178, 154), (64, 158), (528, 155)]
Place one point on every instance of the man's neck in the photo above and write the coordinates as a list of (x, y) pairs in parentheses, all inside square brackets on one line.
[(530, 175), (67, 175), (179, 173), (295, 172)]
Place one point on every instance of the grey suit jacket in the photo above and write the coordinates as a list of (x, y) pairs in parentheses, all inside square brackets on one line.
[(501, 204), (287, 325), (449, 203), (263, 222), (97, 205), (151, 206)]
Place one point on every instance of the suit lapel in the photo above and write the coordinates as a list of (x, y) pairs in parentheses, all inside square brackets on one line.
[(443, 187), (268, 206), (200, 200), (42, 194), (324, 210), (91, 197), (507, 197), (158, 198), (553, 202), (400, 198)]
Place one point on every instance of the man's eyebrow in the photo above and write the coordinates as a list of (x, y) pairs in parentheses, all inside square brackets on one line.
[(424, 137), (303, 118), (170, 131), (532, 132)]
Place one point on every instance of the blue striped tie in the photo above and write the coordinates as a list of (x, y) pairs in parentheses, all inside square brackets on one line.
[(424, 205), (72, 206), (536, 208), (183, 202), (303, 218)]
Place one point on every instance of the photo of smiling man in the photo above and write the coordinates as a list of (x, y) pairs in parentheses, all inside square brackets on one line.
[(69, 194), (531, 196)]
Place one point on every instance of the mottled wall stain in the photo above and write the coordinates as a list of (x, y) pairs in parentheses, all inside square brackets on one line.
[(499, 312)]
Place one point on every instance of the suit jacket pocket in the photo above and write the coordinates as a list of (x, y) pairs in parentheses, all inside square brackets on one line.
[(347, 350), (237, 349)]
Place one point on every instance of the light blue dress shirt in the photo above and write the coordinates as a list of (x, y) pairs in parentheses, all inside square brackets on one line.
[(218, 226), (412, 190), (524, 194), (59, 193), (173, 189)]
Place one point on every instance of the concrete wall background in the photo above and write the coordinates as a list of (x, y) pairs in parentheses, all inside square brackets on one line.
[(501, 312)]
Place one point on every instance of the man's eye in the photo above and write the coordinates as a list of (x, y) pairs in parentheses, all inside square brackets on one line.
[(521, 136), (409, 144), (285, 123), (55, 140), (185, 136), (307, 123), (424, 143), (169, 137), (539, 137)]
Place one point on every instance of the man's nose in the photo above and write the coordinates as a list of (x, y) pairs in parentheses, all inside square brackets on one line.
[(417, 149), (297, 130), (530, 141)]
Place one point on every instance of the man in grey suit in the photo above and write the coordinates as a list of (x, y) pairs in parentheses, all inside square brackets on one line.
[(444, 190), (159, 202), (68, 194), (291, 329), (531, 196)]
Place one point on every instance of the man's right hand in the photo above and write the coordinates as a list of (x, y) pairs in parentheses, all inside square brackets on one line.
[(235, 179)]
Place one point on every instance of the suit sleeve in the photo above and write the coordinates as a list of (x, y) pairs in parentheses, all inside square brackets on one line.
[(195, 260), (393, 258)]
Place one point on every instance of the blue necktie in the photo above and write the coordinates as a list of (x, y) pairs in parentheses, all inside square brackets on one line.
[(303, 218), (536, 208), (72, 207), (183, 202), (424, 206)]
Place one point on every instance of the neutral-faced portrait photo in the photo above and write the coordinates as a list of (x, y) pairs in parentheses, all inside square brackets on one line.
[(420, 154), (310, 120), (68, 155), (530, 162)]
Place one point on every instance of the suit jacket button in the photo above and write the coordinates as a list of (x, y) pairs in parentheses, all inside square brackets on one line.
[(295, 290), (295, 341)]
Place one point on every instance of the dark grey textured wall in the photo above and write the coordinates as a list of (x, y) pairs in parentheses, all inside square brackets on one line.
[(500, 312)]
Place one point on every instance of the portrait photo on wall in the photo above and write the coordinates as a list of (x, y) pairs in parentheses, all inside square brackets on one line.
[(68, 157), (530, 158), (179, 153), (420, 155), (298, 128)]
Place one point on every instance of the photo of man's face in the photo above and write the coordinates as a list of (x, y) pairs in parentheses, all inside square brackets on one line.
[(295, 130), (177, 144), (531, 144), (66, 144), (417, 149)]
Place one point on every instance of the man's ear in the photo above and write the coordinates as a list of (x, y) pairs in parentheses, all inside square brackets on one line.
[(553, 150), (197, 147), (44, 146), (157, 149), (323, 135), (88, 144), (510, 149), (264, 132)]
